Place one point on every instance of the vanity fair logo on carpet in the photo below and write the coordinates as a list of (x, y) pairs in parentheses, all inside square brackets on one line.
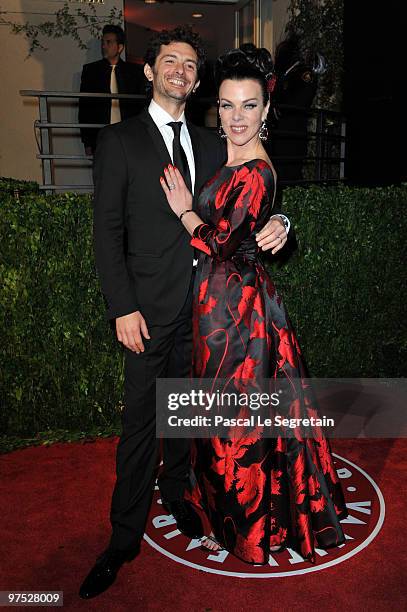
[(366, 508)]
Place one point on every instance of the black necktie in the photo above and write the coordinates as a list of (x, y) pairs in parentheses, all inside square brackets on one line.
[(178, 154)]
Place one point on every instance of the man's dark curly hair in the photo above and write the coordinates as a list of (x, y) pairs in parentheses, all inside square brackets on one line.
[(180, 34)]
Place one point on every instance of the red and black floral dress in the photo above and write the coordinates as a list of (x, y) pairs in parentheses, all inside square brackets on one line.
[(257, 492)]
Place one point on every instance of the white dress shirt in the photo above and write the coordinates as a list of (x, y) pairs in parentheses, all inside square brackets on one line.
[(161, 118)]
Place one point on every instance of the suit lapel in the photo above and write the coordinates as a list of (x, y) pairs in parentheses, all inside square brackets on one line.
[(197, 150), (120, 76), (105, 71), (162, 151), (156, 137)]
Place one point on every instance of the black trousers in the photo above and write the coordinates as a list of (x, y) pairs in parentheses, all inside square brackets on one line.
[(167, 354)]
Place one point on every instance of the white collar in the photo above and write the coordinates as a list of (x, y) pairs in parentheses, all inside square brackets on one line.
[(160, 116)]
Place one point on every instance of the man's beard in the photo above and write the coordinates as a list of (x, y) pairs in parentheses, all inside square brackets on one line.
[(174, 95), (180, 97)]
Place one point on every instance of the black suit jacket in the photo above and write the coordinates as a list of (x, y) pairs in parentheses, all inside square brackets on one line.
[(96, 79), (130, 207)]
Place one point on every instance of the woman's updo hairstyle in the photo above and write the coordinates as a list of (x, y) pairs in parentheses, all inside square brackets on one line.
[(247, 62)]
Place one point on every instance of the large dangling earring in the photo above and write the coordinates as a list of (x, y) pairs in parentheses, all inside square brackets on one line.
[(263, 132), (221, 132)]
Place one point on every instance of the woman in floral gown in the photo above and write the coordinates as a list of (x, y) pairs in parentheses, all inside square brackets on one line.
[(260, 494)]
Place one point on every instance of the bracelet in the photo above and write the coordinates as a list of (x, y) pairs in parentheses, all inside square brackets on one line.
[(184, 212)]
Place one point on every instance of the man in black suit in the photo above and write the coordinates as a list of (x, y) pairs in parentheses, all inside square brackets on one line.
[(108, 75), (297, 82), (148, 289)]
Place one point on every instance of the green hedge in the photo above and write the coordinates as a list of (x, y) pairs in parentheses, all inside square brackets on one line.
[(345, 286), (61, 367), (60, 364), (15, 187)]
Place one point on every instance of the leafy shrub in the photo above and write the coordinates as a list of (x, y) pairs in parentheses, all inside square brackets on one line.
[(61, 367)]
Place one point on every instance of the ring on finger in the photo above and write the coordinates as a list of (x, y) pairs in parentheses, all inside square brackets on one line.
[(171, 186)]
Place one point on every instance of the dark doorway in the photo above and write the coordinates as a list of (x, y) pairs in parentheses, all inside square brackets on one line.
[(372, 93)]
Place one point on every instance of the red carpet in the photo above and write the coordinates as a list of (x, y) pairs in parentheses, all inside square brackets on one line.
[(54, 508)]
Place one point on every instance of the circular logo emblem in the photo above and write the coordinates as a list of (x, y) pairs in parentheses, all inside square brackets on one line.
[(366, 508)]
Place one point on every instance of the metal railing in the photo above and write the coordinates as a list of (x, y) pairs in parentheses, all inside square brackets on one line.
[(325, 137), (323, 163)]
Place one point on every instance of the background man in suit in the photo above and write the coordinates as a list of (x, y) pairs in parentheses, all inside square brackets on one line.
[(297, 83), (148, 289), (108, 75)]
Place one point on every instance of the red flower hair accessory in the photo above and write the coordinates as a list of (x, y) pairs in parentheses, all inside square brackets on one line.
[(271, 83)]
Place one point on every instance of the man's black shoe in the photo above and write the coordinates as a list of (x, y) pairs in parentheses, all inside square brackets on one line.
[(188, 521), (104, 572)]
